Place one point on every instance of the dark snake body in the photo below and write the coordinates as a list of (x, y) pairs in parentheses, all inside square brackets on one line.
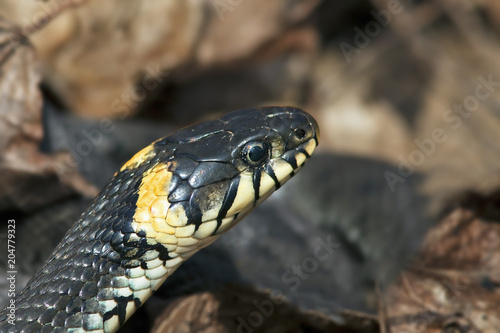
[(171, 199)]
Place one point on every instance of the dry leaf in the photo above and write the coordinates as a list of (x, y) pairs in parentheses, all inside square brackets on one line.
[(29, 179), (454, 282)]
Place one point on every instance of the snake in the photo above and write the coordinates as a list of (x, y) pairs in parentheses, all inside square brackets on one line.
[(171, 199)]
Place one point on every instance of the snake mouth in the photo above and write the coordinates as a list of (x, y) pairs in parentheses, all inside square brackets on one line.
[(282, 169), (262, 182)]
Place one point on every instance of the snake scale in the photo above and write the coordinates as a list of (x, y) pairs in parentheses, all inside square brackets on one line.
[(170, 200)]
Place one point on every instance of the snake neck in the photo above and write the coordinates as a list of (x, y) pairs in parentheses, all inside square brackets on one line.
[(101, 272)]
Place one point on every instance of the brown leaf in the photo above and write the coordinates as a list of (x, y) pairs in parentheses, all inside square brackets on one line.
[(105, 59), (454, 281), (28, 178), (245, 309)]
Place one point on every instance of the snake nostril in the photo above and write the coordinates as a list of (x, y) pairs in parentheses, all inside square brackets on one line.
[(300, 133)]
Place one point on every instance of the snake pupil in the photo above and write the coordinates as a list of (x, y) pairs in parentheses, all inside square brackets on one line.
[(255, 153)]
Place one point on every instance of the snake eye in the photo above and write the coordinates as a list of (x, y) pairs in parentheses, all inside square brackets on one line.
[(255, 153)]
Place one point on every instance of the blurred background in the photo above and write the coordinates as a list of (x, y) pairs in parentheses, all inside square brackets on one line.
[(402, 198)]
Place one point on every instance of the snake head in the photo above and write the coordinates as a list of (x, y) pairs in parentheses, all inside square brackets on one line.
[(239, 160), (203, 179)]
